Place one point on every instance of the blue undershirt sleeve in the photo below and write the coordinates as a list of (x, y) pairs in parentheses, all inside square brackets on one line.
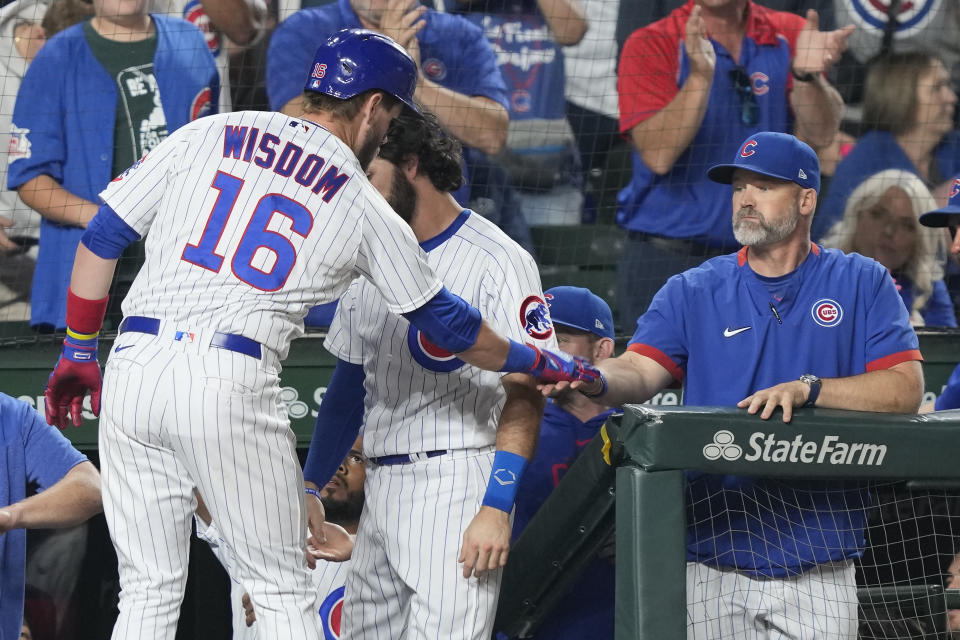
[(108, 235), (448, 320), (338, 423), (949, 398)]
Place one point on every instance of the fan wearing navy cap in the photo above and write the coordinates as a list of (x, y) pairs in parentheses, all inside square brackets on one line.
[(948, 217), (583, 324), (782, 323)]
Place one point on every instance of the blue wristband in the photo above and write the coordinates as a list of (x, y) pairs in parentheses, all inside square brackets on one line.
[(520, 358), (313, 492), (79, 349), (504, 480)]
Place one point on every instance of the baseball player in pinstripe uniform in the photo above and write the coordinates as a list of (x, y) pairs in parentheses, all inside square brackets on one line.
[(253, 217), (342, 499), (438, 432)]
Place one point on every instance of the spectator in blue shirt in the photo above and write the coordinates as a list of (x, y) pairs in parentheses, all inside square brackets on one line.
[(34, 453), (880, 221)]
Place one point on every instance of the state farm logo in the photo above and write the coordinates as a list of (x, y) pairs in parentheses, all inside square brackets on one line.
[(722, 447), (767, 448)]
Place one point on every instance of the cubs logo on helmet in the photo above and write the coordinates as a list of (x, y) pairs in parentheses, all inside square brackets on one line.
[(331, 612), (430, 356), (747, 149), (955, 188), (827, 312), (536, 318)]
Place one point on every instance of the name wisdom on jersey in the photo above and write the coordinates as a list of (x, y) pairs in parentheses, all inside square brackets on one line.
[(241, 143)]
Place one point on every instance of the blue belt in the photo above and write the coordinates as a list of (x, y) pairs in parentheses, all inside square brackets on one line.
[(404, 458), (228, 341)]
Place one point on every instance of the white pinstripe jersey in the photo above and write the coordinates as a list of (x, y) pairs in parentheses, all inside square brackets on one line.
[(418, 397), (254, 217)]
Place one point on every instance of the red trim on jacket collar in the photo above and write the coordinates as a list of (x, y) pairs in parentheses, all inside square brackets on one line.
[(742, 254)]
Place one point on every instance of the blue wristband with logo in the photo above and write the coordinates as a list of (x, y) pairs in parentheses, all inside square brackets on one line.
[(508, 468), (80, 347), (520, 358), (313, 492)]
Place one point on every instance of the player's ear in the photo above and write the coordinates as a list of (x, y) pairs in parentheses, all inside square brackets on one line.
[(410, 165)]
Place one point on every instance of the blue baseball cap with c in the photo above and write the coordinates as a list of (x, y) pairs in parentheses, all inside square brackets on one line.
[(777, 155), (948, 215), (581, 309)]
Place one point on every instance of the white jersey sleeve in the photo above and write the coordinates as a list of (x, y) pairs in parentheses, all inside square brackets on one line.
[(391, 259), (516, 307), (342, 340), (135, 194)]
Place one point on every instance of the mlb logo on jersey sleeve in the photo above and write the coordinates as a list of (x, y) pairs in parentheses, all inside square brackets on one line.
[(535, 318), (19, 146), (430, 356)]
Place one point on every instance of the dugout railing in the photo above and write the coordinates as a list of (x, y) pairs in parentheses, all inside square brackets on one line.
[(631, 477)]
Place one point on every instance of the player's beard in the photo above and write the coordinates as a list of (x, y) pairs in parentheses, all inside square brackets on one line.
[(403, 197), (369, 147), (759, 232), (346, 510)]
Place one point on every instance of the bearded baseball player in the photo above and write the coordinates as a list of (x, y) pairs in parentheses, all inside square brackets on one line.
[(447, 442), (342, 499), (780, 324), (253, 218)]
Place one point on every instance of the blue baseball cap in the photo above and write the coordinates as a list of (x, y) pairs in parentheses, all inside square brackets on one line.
[(778, 155), (580, 308), (947, 215)]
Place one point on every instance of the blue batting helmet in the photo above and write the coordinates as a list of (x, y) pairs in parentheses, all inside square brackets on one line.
[(356, 60)]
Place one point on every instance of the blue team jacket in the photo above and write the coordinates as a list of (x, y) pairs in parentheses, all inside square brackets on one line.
[(65, 129)]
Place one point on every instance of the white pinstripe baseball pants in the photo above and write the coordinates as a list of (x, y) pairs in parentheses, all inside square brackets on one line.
[(179, 415), (405, 581)]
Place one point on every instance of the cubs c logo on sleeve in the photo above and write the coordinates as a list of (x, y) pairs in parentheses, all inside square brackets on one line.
[(826, 312), (202, 104), (747, 149), (331, 612), (430, 356), (535, 318)]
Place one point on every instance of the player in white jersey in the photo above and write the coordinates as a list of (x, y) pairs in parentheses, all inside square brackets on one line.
[(342, 499), (252, 219), (435, 429)]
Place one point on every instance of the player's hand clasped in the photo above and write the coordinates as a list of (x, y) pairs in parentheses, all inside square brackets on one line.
[(557, 366), (786, 395), (76, 372)]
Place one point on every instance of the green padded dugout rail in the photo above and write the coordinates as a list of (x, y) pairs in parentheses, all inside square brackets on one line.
[(660, 441)]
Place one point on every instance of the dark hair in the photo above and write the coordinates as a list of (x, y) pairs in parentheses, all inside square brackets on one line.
[(438, 154), (64, 13), (890, 90), (345, 109)]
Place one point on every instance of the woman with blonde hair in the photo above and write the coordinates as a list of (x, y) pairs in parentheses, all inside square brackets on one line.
[(908, 109), (880, 221)]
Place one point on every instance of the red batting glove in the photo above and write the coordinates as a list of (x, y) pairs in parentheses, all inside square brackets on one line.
[(77, 371)]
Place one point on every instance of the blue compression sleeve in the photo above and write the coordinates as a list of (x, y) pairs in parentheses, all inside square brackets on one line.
[(338, 423), (448, 320), (108, 235)]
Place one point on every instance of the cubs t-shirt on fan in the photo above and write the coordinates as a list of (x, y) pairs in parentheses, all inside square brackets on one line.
[(836, 315)]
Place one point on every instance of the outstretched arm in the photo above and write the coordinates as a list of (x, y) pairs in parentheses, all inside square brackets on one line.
[(72, 500)]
